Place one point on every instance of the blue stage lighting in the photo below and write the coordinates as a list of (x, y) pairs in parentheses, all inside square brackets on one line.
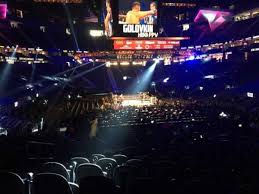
[(143, 81), (166, 80)]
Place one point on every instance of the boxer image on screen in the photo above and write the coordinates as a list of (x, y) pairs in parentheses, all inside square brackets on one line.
[(108, 19), (136, 15), (151, 19)]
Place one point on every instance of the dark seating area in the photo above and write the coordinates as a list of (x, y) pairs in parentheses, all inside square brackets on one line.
[(129, 97)]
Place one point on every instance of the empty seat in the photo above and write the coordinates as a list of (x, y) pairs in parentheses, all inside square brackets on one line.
[(108, 165), (122, 175), (74, 187), (98, 185), (79, 160), (120, 159), (50, 183), (11, 183), (75, 162), (54, 167), (86, 170)]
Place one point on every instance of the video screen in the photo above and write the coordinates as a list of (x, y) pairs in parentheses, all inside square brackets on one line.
[(138, 18), (3, 10), (138, 13), (107, 17)]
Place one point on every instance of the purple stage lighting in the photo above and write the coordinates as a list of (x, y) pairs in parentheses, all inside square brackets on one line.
[(3, 10), (214, 18)]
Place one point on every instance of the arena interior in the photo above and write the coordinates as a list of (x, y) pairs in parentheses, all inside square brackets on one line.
[(129, 97)]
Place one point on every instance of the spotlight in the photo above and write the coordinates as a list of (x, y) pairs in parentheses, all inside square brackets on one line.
[(166, 80), (37, 95), (157, 60), (153, 84), (250, 95), (125, 78), (16, 104)]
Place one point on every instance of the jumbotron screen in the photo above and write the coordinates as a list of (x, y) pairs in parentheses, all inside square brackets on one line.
[(138, 18), (131, 18)]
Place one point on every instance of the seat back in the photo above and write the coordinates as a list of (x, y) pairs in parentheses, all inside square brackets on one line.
[(122, 175), (97, 185), (86, 170), (135, 162), (55, 167), (75, 162), (11, 183), (79, 160), (50, 183), (108, 165), (120, 159)]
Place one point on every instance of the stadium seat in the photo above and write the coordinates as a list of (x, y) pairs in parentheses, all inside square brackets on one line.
[(54, 167), (50, 183), (86, 170), (135, 162), (11, 183), (74, 187), (79, 160), (75, 162), (120, 159), (98, 185), (108, 165), (122, 174)]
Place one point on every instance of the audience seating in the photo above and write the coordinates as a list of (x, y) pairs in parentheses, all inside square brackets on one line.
[(75, 162), (50, 183), (108, 165), (120, 159), (11, 183), (96, 157), (54, 167), (98, 185), (86, 170)]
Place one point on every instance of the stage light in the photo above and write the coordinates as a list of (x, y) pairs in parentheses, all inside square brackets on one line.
[(250, 95), (16, 104), (69, 96), (125, 78), (108, 64), (153, 84), (191, 58), (210, 16), (223, 115), (209, 77), (166, 80), (125, 63), (157, 60), (201, 88), (143, 81), (186, 27), (215, 95), (37, 95)]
